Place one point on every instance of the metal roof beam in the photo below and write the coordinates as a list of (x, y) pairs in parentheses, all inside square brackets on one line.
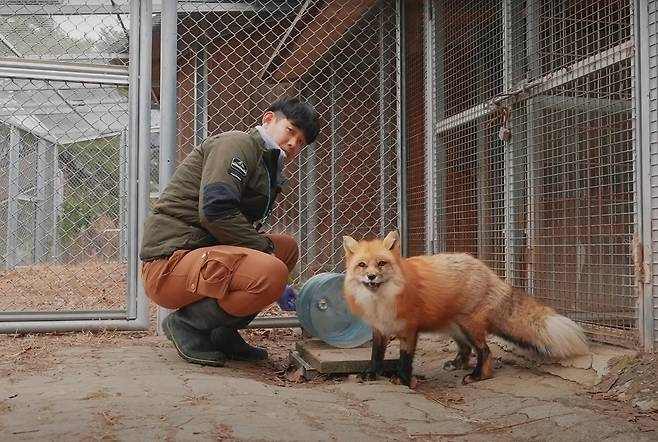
[(54, 70), (108, 9)]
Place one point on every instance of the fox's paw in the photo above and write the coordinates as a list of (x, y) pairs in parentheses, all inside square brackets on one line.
[(452, 365), (412, 382), (470, 378), (368, 376)]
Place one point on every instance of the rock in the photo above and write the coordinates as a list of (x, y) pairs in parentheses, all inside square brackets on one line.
[(625, 387), (583, 362), (647, 405), (605, 385)]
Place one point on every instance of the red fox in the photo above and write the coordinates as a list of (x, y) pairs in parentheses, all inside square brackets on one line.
[(454, 293)]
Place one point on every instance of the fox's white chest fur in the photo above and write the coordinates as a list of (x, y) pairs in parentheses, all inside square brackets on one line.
[(379, 308)]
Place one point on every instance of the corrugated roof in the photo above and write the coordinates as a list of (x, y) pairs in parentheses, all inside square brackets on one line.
[(56, 30), (65, 112)]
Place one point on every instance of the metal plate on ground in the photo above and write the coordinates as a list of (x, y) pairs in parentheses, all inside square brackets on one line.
[(317, 357)]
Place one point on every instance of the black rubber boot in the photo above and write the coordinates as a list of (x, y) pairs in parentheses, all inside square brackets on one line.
[(228, 340), (189, 330)]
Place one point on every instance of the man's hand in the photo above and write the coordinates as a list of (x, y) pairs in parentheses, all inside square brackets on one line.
[(288, 299)]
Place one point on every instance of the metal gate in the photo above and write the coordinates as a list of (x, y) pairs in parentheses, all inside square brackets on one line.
[(72, 119), (534, 155), (82, 148)]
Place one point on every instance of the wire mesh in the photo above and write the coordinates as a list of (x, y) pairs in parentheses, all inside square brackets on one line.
[(237, 58), (62, 157), (472, 208), (552, 209), (415, 65)]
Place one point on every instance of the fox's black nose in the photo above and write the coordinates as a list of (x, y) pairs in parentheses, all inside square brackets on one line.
[(371, 276)]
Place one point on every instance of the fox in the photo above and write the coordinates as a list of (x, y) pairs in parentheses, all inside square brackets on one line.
[(451, 293)]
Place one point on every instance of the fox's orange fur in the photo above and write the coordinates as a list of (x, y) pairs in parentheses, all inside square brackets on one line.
[(450, 292)]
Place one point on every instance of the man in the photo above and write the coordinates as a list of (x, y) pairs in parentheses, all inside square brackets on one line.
[(202, 252)]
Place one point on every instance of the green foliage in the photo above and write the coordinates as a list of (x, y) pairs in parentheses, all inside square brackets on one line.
[(91, 183)]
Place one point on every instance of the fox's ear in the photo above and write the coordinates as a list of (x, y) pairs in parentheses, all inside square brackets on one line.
[(392, 241), (349, 244)]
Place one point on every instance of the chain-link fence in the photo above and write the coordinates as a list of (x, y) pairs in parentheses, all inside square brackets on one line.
[(510, 123), (70, 166), (235, 58), (415, 116), (535, 159), (63, 147)]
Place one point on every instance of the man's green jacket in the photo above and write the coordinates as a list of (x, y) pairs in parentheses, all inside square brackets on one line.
[(217, 193)]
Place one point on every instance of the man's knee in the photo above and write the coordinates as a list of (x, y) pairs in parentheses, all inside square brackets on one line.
[(286, 249), (260, 274), (258, 282), (277, 277), (295, 252)]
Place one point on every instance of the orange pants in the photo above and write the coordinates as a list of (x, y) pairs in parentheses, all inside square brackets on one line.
[(244, 281)]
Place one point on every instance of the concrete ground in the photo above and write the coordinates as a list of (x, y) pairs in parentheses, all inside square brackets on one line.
[(139, 389)]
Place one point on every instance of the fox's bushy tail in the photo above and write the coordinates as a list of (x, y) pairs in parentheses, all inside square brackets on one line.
[(529, 323)]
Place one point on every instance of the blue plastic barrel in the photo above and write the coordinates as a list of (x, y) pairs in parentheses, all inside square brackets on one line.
[(323, 312)]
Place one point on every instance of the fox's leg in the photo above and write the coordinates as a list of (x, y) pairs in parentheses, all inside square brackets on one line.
[(463, 357), (408, 342), (477, 335), (483, 368), (376, 365)]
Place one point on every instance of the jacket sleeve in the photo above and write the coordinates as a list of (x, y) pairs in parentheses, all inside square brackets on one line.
[(228, 163)]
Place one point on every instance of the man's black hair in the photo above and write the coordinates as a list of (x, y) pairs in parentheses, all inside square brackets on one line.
[(301, 114)]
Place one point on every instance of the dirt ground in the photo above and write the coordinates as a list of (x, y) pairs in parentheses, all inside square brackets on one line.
[(633, 381), (629, 391), (28, 353), (92, 285)]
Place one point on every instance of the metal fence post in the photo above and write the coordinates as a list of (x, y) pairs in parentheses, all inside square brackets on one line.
[(431, 188), (401, 160), (40, 234), (168, 67), (144, 159), (12, 197), (643, 175), (123, 197)]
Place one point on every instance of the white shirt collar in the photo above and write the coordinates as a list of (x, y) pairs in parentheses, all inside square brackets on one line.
[(271, 145), (269, 142)]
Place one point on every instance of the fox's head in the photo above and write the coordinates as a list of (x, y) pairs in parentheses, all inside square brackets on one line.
[(373, 264)]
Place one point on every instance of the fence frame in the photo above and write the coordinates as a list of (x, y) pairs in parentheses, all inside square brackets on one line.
[(138, 77), (644, 164), (137, 143), (635, 48)]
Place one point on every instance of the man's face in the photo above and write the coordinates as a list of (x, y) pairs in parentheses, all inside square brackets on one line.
[(286, 135)]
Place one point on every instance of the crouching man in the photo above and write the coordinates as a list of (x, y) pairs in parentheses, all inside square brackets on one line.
[(202, 251)]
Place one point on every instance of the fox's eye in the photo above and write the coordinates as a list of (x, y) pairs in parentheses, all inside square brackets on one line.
[(381, 263), (362, 265)]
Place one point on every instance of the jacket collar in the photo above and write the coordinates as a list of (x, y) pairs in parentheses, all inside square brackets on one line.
[(272, 154)]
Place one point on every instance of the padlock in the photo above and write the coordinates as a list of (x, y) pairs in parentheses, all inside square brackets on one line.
[(504, 134)]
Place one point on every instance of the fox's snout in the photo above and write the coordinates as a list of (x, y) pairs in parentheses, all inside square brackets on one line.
[(372, 280), (372, 276)]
